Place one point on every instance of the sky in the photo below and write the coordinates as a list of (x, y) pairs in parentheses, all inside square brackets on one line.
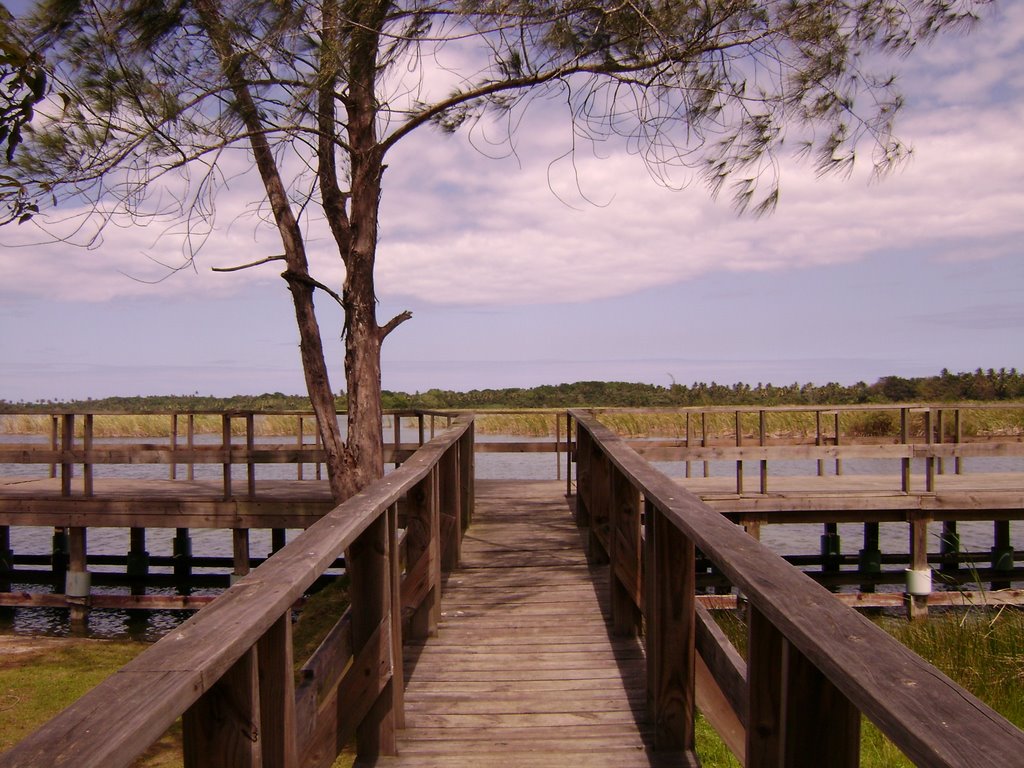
[(522, 268)]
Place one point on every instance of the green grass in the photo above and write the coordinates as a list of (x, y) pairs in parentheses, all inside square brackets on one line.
[(41, 676), (981, 650)]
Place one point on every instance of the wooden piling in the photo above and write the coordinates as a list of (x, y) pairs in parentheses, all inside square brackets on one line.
[(1002, 552), (917, 605), (6, 558), (77, 584), (137, 563)]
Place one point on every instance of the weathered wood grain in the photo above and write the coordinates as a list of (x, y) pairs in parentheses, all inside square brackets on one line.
[(524, 669)]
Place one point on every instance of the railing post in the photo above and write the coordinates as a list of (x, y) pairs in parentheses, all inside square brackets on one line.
[(704, 440), (796, 717), (225, 433), (222, 729), (584, 454), (764, 692), (568, 454), (67, 444), (819, 441), (423, 554), (173, 469), (250, 446), (54, 443), (839, 462), (395, 594), (277, 695), (670, 613), (558, 448), (625, 550), (467, 475), (451, 512), (958, 434), (598, 504), (762, 440), (370, 575), (739, 442), (397, 423), (905, 440), (191, 437), (929, 462), (87, 435)]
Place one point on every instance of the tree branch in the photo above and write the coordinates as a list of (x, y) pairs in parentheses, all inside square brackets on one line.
[(304, 279), (393, 323), (278, 257)]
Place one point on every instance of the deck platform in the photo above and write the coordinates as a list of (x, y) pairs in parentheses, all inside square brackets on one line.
[(524, 670)]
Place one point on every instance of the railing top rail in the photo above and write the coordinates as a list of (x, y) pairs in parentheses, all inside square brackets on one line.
[(926, 714), (142, 699)]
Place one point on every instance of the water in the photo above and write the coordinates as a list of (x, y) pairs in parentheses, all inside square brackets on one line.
[(792, 539)]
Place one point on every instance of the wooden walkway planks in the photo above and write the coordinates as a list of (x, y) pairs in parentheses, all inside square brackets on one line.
[(523, 671)]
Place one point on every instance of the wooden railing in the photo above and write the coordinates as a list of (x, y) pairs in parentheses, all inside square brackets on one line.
[(73, 443), (813, 666), (931, 433), (228, 671)]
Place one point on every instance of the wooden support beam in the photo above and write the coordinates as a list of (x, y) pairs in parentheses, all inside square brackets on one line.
[(6, 558), (796, 716), (240, 549), (764, 692), (77, 586), (450, 510), (1002, 552), (250, 444), (670, 606), (820, 725), (917, 604), (137, 562), (67, 444), (370, 593), (277, 695), (222, 729), (395, 617), (467, 476), (423, 553), (625, 552), (739, 443)]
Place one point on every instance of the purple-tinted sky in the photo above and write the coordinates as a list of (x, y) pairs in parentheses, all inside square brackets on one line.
[(524, 270)]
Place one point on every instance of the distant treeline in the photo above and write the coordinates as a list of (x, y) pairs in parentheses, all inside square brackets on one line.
[(980, 385)]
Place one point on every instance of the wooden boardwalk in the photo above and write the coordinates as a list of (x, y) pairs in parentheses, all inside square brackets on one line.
[(524, 670)]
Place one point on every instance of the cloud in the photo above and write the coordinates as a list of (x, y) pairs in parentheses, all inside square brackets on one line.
[(460, 228)]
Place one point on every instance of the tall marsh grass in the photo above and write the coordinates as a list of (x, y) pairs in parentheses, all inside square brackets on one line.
[(980, 649), (154, 425), (877, 424)]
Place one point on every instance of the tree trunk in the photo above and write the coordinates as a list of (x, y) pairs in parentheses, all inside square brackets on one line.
[(314, 366)]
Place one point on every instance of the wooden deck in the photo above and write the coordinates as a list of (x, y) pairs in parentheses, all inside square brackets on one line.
[(524, 670)]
